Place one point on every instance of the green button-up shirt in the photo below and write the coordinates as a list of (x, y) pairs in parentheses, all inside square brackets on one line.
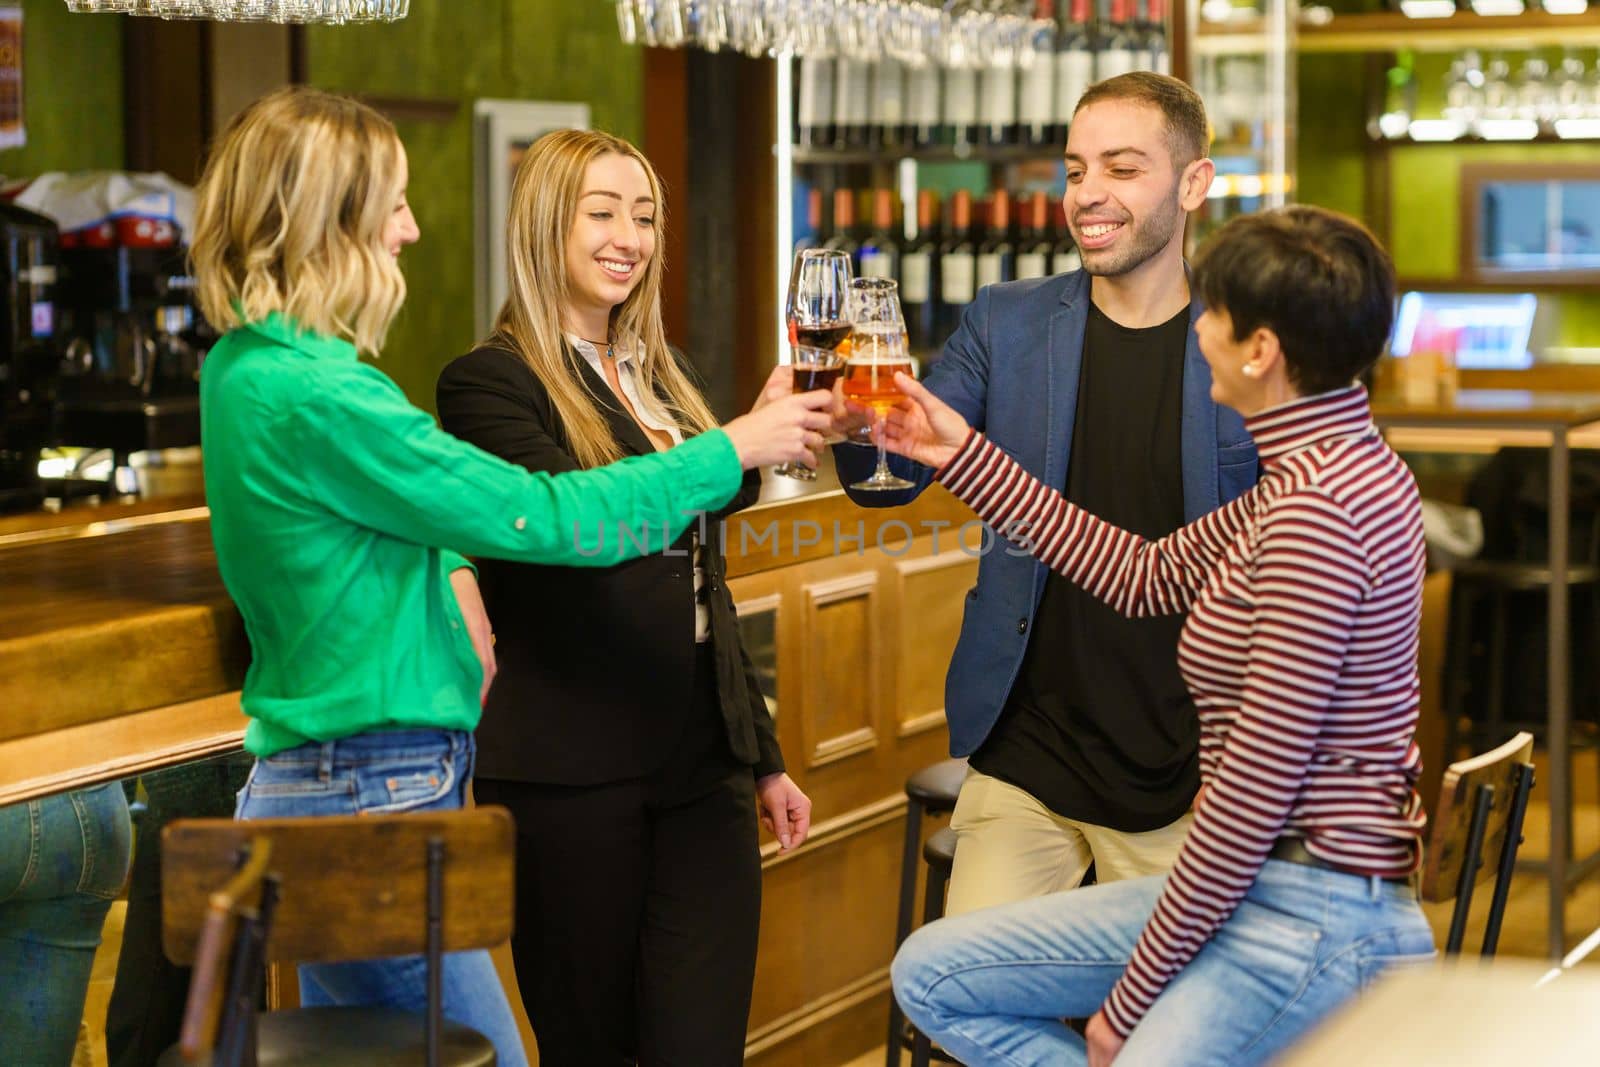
[(338, 510)]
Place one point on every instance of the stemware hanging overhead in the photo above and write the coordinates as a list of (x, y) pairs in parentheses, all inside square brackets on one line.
[(950, 33)]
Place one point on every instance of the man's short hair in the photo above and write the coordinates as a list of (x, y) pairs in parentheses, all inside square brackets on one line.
[(1316, 278), (1188, 132)]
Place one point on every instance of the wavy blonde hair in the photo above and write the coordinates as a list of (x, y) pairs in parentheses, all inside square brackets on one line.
[(544, 206), (289, 217)]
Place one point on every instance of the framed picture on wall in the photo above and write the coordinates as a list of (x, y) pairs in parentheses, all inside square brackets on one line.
[(502, 131)]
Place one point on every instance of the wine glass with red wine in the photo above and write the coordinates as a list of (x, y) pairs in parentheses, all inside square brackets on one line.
[(819, 326)]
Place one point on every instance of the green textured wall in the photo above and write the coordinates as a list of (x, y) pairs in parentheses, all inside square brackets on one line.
[(1331, 138), (1426, 180), (71, 91), (461, 50)]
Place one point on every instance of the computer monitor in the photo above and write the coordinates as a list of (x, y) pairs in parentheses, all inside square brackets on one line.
[(1492, 328)]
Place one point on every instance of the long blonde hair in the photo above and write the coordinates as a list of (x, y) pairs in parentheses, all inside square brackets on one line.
[(544, 206), (289, 218)]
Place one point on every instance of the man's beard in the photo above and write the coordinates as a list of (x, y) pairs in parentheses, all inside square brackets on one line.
[(1149, 236)]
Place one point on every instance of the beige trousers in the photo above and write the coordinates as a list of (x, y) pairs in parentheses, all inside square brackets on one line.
[(1011, 847)]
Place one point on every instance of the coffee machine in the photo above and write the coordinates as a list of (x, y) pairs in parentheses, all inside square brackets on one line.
[(29, 356), (132, 344)]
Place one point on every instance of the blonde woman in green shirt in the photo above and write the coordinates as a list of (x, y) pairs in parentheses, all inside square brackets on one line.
[(339, 511)]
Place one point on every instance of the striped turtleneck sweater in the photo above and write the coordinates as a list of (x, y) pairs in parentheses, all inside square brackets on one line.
[(1304, 598)]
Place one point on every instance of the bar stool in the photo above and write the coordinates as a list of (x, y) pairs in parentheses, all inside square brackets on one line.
[(940, 852), (930, 791), (1494, 679)]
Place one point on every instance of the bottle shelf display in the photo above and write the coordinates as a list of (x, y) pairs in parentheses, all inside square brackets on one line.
[(1318, 31), (1011, 92), (868, 139), (949, 250), (1492, 96), (880, 129)]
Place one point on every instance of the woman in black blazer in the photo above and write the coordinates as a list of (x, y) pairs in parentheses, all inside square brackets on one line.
[(625, 729)]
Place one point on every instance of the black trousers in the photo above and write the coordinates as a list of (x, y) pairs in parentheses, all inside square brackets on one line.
[(638, 906), (147, 1000)]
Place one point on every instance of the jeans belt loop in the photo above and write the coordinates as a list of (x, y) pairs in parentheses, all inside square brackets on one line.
[(325, 761)]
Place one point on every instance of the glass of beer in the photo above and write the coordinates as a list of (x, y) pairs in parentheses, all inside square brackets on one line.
[(878, 348), (819, 326)]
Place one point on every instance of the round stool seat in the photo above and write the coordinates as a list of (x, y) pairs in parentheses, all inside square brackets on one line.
[(940, 851), (355, 1037), (1502, 576), (936, 786)]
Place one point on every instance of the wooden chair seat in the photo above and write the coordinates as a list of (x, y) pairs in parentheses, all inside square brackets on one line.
[(352, 1037)]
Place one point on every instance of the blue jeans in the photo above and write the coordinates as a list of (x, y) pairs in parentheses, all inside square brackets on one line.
[(386, 772), (993, 986), (62, 861)]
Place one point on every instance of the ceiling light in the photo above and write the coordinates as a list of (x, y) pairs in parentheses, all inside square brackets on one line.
[(1436, 129), (1508, 129), (1427, 9), (1495, 8)]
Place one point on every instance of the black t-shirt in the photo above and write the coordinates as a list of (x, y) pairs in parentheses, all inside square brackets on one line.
[(1099, 725)]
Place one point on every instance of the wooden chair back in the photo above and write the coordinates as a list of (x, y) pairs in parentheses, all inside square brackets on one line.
[(242, 897), (351, 887), (1482, 801)]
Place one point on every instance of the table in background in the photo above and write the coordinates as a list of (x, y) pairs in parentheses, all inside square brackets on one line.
[(1555, 415)]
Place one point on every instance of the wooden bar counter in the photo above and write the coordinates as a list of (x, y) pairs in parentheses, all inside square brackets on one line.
[(119, 648)]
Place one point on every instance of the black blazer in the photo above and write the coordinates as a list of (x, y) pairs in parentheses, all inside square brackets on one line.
[(596, 665)]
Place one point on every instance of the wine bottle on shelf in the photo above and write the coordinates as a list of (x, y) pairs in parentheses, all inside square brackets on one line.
[(960, 106), (815, 104), (998, 106), (851, 104), (1119, 48), (1160, 55), (1064, 254), (1036, 85), (922, 105), (958, 264), (888, 116), (813, 235), (919, 276), (1074, 65), (845, 237), (997, 255), (1034, 248), (880, 249)]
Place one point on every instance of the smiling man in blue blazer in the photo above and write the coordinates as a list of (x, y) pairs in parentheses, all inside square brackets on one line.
[(1082, 737)]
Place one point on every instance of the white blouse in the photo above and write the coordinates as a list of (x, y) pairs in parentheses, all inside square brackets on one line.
[(652, 414)]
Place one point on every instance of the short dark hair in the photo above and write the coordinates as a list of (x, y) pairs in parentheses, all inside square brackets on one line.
[(1188, 131), (1316, 278)]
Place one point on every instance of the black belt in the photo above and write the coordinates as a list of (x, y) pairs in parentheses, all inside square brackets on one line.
[(1293, 850)]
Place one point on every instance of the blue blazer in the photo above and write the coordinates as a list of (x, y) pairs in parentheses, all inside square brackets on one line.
[(1011, 370)]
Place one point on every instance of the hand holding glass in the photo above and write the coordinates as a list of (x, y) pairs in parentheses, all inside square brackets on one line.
[(922, 427)]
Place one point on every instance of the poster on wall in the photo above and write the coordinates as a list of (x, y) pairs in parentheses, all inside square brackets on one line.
[(12, 132), (502, 131)]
